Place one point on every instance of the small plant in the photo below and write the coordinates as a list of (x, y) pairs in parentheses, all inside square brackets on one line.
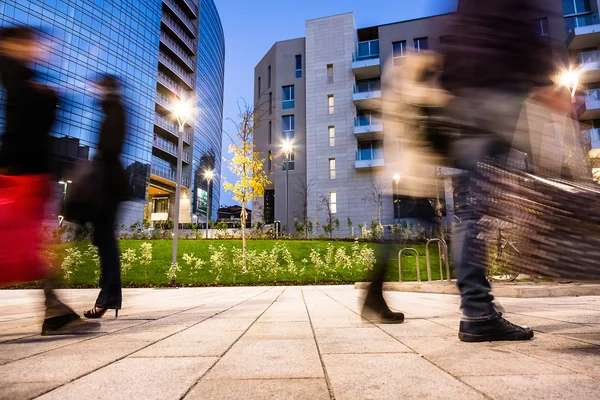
[(127, 259), (174, 269), (195, 263), (350, 227), (145, 258), (71, 262), (218, 259), (92, 254)]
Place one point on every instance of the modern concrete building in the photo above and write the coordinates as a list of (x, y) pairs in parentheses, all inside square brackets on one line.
[(165, 51), (583, 41), (341, 145)]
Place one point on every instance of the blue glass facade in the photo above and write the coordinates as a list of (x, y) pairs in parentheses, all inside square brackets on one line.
[(123, 37), (209, 108)]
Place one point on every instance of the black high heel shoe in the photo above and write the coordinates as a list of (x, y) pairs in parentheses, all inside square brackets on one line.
[(98, 312)]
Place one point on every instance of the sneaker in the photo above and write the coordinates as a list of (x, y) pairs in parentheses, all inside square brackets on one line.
[(377, 311), (495, 329)]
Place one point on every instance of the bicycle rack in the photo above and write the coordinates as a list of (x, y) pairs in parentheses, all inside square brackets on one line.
[(443, 253), (400, 263)]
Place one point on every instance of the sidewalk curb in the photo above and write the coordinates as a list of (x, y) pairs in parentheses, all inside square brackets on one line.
[(499, 289)]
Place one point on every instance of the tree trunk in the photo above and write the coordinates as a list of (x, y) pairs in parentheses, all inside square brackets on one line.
[(243, 218)]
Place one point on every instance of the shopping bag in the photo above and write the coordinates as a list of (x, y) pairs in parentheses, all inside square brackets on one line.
[(22, 203)]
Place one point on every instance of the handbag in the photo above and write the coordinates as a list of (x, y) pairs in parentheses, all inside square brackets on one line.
[(22, 203)]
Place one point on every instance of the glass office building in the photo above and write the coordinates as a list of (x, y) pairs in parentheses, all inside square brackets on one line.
[(164, 51)]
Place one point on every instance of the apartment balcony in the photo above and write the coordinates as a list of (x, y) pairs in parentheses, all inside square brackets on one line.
[(367, 95), (366, 63), (172, 128), (368, 162), (589, 64), (171, 148), (181, 34), (183, 17), (583, 32), (169, 84), (594, 138), (178, 51), (368, 128), (182, 74), (590, 106), (168, 176), (192, 6)]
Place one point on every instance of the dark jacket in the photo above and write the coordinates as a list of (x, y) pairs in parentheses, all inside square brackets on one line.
[(496, 44), (30, 114), (108, 157)]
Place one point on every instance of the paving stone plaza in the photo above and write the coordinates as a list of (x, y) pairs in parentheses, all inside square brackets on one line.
[(294, 343)]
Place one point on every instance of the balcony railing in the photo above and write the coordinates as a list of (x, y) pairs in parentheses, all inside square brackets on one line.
[(375, 153), (592, 95), (173, 66), (167, 125), (587, 57), (582, 20), (181, 34), (175, 48), (192, 5), (169, 83), (187, 157), (185, 19), (367, 86), (165, 173), (594, 134), (367, 120), (366, 50), (165, 145), (163, 101)]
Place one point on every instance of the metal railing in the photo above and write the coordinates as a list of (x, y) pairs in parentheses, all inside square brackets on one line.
[(169, 83), (582, 20), (594, 134), (376, 154), (193, 6), (177, 50), (163, 101), (165, 173), (187, 157), (187, 138), (164, 123), (417, 263), (367, 120), (179, 71), (165, 145), (185, 181), (443, 255), (181, 34), (587, 57), (367, 86), (366, 50), (182, 15), (592, 95)]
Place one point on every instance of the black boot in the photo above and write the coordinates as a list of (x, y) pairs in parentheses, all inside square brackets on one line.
[(375, 309), (495, 329)]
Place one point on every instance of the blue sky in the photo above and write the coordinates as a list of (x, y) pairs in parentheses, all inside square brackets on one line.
[(252, 27)]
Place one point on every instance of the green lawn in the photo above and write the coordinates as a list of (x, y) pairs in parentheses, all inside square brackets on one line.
[(231, 274)]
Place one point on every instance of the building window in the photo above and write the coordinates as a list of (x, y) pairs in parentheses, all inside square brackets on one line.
[(270, 132), (330, 73), (288, 97), (332, 202), (259, 89), (332, 168), (299, 66), (331, 103), (269, 77), (421, 44), (543, 26), (270, 162), (288, 127), (331, 136), (578, 13), (270, 102), (289, 163), (398, 51)]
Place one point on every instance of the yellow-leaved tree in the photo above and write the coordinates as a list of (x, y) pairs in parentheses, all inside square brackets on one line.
[(248, 167)]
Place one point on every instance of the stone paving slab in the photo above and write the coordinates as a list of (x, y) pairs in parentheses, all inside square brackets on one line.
[(295, 343)]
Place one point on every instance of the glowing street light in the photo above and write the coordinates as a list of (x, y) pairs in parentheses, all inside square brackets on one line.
[(208, 175), (570, 80), (182, 110)]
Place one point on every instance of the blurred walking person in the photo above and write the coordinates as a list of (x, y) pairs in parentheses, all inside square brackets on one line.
[(24, 150), (108, 187)]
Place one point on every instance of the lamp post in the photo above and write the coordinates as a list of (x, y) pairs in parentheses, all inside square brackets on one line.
[(64, 195), (397, 180), (182, 111), (288, 148), (208, 175)]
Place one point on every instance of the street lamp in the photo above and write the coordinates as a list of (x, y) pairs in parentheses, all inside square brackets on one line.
[(208, 175), (397, 180), (64, 196), (570, 80), (288, 148), (182, 111)]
